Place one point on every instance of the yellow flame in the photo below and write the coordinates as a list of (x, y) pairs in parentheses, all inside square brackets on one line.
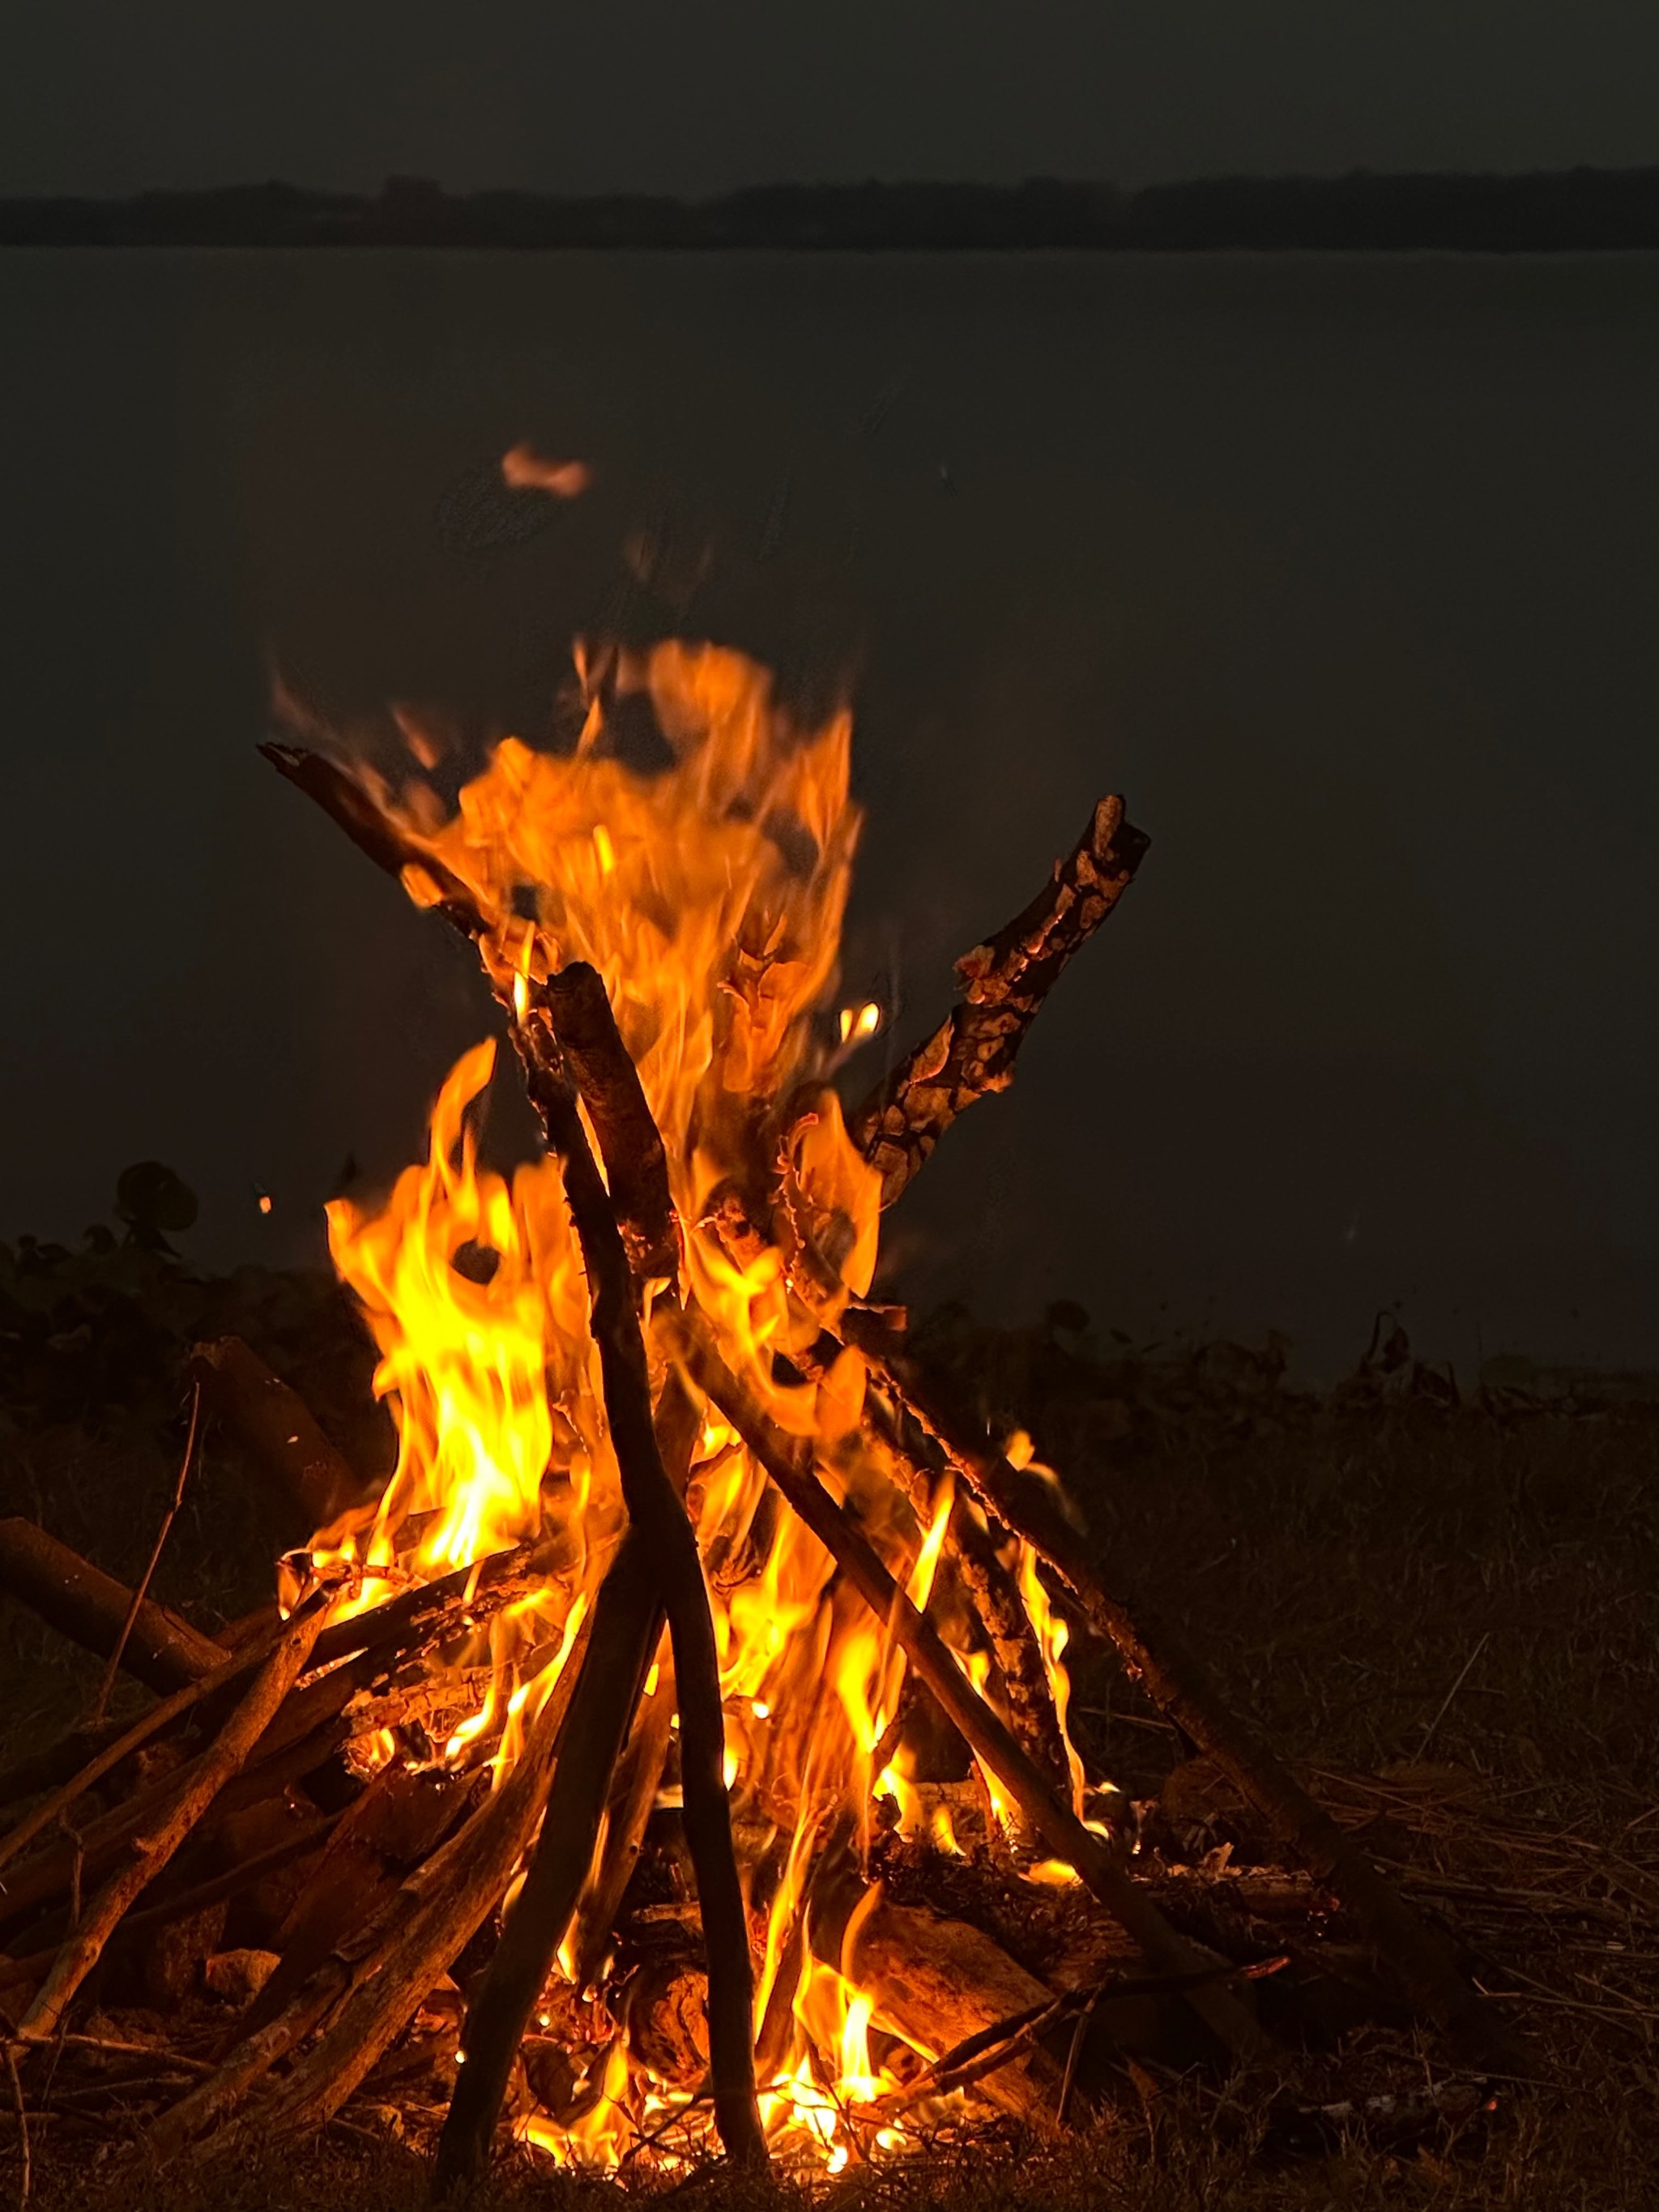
[(709, 896)]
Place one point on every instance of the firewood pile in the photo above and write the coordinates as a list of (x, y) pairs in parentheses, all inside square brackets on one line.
[(673, 1757)]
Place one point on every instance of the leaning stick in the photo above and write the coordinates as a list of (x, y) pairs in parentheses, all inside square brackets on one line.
[(639, 1776), (638, 1780), (661, 1516), (90, 1608), (438, 1911), (1005, 982), (626, 1623), (355, 809), (1176, 1683), (101, 1703), (990, 1588), (148, 1725), (791, 1469), (152, 1852)]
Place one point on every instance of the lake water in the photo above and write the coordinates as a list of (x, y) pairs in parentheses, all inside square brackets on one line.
[(1343, 569)]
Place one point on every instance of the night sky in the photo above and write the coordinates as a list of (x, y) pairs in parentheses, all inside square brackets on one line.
[(1342, 566), (104, 97)]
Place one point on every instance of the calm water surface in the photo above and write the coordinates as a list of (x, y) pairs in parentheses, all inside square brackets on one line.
[(1343, 570)]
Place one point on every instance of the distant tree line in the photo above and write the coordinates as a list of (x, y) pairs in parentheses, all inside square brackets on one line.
[(1573, 210)]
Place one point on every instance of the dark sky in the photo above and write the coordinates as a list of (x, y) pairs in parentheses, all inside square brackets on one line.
[(105, 96)]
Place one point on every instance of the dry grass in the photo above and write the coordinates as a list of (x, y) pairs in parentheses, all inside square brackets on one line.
[(1448, 1615)]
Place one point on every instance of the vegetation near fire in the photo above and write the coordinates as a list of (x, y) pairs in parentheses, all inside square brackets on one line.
[(695, 1743)]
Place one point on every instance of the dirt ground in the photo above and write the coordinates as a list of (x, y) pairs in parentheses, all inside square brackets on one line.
[(1443, 1611)]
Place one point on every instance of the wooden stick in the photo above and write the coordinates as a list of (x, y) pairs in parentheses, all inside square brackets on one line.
[(790, 1467), (639, 1779), (636, 1163), (90, 1608), (277, 1433), (996, 1602), (231, 1883), (152, 1852), (364, 816), (627, 1622), (1005, 982), (148, 1725), (440, 1908), (378, 1975), (679, 1424), (1183, 1693), (101, 1703), (660, 1517), (416, 1617), (990, 1588)]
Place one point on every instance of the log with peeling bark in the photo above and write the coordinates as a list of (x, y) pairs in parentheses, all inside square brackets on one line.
[(310, 1478), (91, 1607), (937, 1982), (1005, 982)]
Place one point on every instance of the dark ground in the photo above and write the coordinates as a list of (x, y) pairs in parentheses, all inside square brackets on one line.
[(1444, 1612)]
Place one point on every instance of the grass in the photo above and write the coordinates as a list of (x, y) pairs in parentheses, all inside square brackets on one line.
[(1446, 1615)]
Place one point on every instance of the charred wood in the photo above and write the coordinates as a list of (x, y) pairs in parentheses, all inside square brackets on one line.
[(1005, 982)]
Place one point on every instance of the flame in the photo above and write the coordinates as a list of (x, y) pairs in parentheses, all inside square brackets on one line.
[(709, 895)]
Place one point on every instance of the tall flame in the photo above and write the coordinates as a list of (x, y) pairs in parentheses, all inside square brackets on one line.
[(709, 894)]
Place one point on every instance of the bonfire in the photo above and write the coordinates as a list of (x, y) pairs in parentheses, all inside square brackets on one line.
[(625, 1768)]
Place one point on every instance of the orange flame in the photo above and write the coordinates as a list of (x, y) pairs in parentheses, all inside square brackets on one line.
[(709, 895)]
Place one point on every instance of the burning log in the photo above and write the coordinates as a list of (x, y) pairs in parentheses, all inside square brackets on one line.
[(370, 1983), (626, 1623), (938, 1983), (659, 1514), (986, 1737), (91, 1608), (1005, 983)]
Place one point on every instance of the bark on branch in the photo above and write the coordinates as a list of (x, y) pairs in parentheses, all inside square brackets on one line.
[(1005, 982)]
